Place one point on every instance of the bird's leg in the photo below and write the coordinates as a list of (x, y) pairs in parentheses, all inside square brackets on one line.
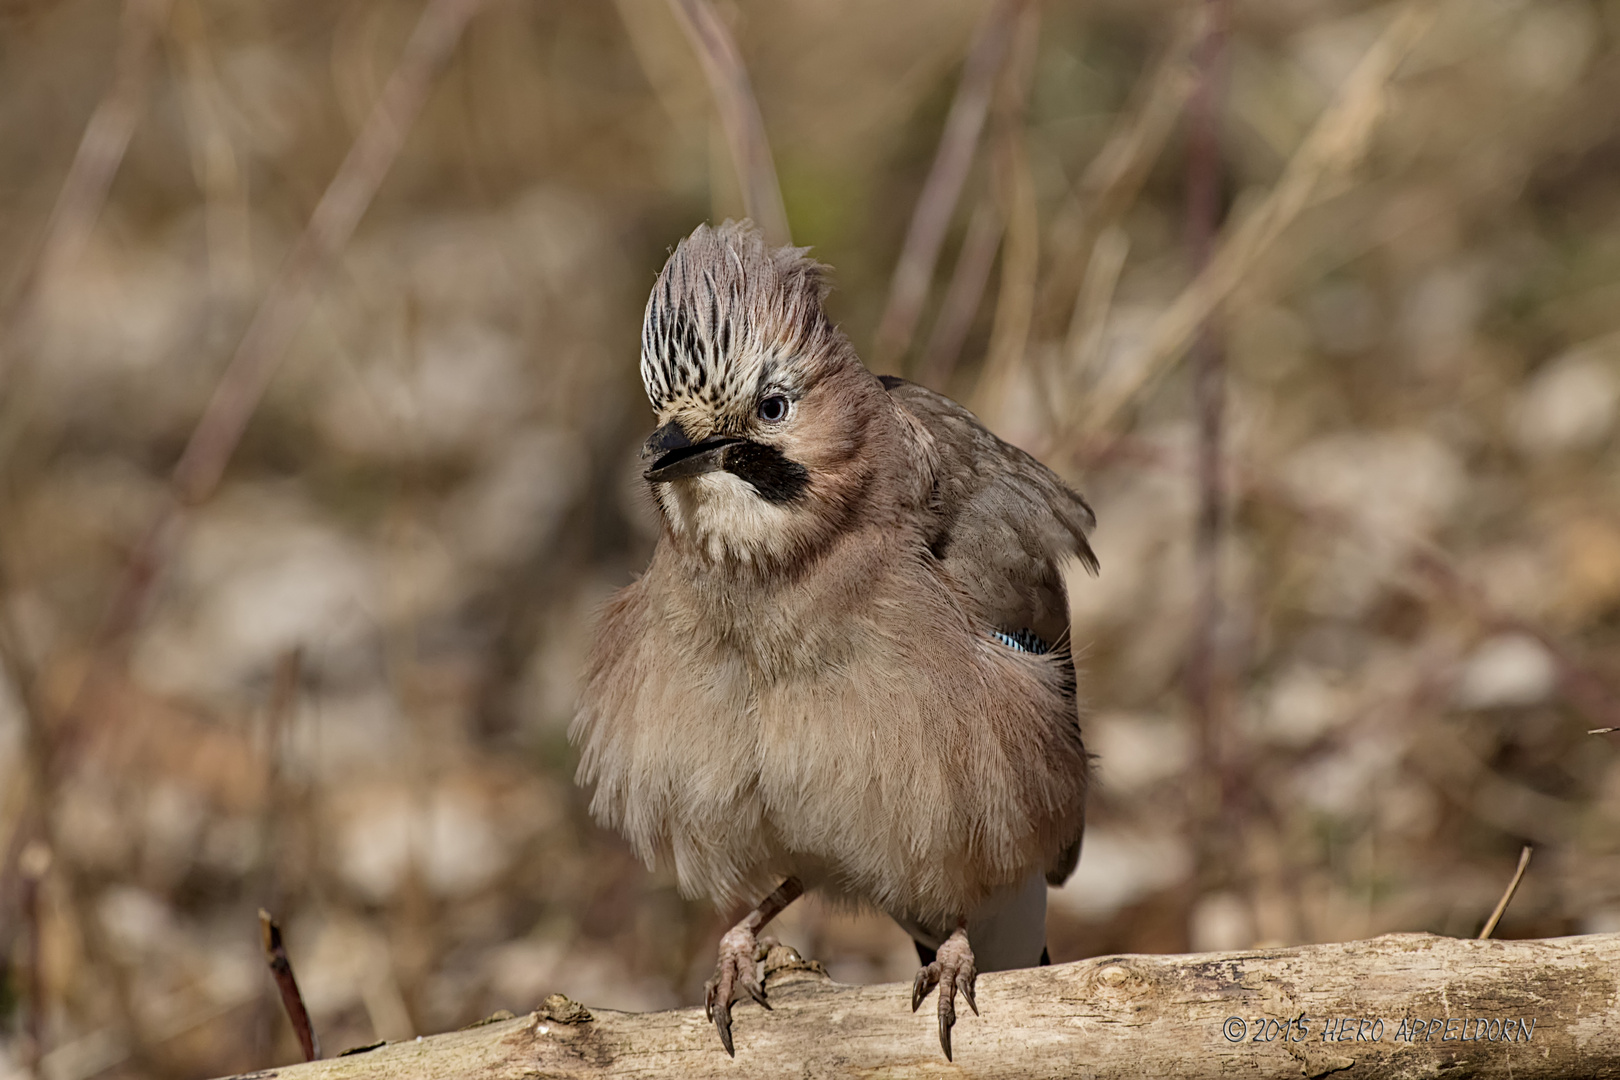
[(952, 970), (739, 952)]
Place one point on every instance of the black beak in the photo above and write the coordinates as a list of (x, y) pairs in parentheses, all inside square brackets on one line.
[(675, 456)]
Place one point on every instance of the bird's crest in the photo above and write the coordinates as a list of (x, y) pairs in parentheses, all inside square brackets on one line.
[(730, 316)]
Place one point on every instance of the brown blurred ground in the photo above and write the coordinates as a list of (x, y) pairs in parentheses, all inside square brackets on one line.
[(440, 487)]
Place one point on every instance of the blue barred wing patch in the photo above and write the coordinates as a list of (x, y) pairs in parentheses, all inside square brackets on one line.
[(1022, 640)]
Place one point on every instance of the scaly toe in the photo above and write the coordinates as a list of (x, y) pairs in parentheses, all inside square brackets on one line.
[(733, 972), (953, 969)]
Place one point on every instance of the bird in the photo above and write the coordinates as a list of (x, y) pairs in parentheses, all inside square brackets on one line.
[(846, 667)]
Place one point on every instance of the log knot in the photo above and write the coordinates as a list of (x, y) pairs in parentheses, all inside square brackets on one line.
[(560, 1009), (1115, 979), (785, 959)]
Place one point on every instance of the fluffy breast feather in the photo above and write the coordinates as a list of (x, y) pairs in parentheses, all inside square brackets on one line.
[(869, 737)]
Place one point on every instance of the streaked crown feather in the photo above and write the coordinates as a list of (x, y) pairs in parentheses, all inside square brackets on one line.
[(729, 316)]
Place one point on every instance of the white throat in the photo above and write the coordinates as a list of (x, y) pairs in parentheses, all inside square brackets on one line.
[(726, 516)]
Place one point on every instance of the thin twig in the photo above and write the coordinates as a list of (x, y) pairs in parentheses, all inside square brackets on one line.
[(937, 202), (100, 152), (1338, 140), (739, 115), (963, 296), (1507, 897), (275, 954)]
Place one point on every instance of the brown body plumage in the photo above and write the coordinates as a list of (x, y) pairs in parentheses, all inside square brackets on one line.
[(814, 679)]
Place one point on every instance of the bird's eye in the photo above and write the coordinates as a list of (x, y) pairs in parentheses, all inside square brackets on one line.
[(773, 408)]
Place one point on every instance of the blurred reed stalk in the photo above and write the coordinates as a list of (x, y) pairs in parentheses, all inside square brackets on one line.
[(280, 315), (962, 296), (1204, 674), (739, 114), (215, 164), (1021, 251), (1338, 140), (274, 816), (84, 189), (287, 303), (1089, 245), (33, 865), (936, 204), (1114, 178)]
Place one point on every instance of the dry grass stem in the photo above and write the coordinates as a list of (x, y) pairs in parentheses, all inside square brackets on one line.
[(1112, 180), (33, 865), (243, 384), (287, 303), (963, 296), (739, 115), (1084, 347), (1205, 671), (339, 689), (937, 202), (1335, 144), (214, 160), (1021, 254), (1507, 896), (101, 150)]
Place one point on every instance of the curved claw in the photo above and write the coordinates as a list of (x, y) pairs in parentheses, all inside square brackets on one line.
[(923, 985), (717, 1006), (722, 1024), (952, 971), (733, 972)]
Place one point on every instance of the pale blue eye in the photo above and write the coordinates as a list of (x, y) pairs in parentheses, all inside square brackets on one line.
[(773, 408)]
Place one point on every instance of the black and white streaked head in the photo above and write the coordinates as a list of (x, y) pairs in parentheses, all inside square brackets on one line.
[(761, 403)]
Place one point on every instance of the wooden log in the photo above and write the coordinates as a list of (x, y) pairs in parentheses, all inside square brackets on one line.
[(1402, 1005)]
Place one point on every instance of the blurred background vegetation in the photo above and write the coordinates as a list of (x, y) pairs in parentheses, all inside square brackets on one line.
[(342, 690)]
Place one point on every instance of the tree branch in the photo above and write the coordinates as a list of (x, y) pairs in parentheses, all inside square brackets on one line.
[(1398, 1005)]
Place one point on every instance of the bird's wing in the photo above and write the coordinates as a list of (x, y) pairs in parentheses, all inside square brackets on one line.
[(1002, 526)]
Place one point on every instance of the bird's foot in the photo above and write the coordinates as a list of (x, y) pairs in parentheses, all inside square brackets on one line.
[(739, 952), (952, 970)]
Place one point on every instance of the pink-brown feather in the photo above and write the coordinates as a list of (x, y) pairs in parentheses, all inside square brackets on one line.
[(809, 688)]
